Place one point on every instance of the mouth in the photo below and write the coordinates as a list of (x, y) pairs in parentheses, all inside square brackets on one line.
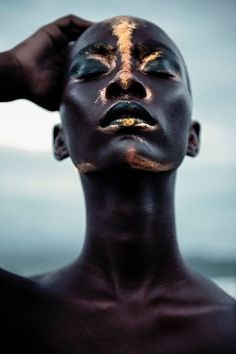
[(126, 115)]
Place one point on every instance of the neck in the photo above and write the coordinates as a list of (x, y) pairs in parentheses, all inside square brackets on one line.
[(130, 234)]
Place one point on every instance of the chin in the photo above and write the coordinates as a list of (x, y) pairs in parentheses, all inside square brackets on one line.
[(132, 152)]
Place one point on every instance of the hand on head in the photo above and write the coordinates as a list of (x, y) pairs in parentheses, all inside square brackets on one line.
[(40, 60)]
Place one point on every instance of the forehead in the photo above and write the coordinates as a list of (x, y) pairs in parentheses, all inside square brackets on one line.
[(140, 32)]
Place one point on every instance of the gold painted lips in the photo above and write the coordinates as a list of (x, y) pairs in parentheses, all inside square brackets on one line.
[(128, 122), (128, 115)]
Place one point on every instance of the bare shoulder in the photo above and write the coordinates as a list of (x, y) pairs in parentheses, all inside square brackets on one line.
[(216, 314), (18, 295), (13, 285), (209, 291), (28, 314)]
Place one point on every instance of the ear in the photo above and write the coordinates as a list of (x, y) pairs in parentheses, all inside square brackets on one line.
[(194, 139), (59, 147)]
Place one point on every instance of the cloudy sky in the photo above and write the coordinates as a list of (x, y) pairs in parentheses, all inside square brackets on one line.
[(34, 188)]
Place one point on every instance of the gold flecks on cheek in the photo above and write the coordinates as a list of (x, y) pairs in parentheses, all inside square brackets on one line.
[(177, 77), (148, 96), (85, 167), (123, 29), (101, 96), (143, 163)]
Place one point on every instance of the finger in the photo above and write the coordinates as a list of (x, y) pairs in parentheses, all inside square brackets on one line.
[(75, 20), (72, 26), (65, 29)]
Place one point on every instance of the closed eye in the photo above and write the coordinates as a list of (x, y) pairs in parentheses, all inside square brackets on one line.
[(157, 68), (89, 69), (160, 64), (159, 73)]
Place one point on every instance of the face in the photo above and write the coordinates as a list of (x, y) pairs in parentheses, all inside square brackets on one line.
[(126, 100)]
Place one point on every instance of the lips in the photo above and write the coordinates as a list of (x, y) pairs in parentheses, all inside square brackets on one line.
[(128, 115)]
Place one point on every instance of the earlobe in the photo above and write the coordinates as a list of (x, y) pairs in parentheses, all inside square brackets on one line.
[(194, 139), (59, 146)]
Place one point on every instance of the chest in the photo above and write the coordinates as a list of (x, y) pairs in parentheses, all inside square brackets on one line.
[(62, 329)]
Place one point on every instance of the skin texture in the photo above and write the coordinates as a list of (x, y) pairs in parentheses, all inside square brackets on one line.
[(129, 291), (36, 70)]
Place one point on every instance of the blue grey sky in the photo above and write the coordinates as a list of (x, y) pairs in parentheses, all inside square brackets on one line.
[(33, 199)]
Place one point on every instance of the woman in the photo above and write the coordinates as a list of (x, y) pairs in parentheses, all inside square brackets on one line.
[(125, 105)]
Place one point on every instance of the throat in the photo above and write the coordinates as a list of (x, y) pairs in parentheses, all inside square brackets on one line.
[(130, 233)]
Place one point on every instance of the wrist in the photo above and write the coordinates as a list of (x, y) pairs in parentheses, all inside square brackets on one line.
[(11, 78)]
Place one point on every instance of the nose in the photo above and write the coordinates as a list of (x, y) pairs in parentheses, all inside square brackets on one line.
[(125, 83)]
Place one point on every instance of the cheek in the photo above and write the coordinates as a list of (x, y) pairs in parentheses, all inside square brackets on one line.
[(174, 111), (78, 101), (80, 117), (178, 126), (87, 99), (176, 107), (74, 122)]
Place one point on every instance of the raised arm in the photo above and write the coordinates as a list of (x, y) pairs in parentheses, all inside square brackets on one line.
[(34, 69)]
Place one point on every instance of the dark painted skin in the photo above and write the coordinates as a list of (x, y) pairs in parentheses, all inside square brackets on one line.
[(129, 291)]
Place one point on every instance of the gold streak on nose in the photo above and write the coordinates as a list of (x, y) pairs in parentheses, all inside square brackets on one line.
[(123, 29), (124, 76)]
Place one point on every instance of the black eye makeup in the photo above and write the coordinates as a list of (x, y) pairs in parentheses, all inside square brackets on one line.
[(159, 63), (159, 68), (88, 69), (92, 62)]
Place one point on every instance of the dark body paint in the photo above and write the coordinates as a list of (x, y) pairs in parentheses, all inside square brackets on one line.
[(129, 291)]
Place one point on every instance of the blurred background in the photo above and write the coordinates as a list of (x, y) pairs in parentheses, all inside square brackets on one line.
[(42, 217)]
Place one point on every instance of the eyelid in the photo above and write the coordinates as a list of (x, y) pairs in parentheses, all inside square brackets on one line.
[(174, 74), (100, 58), (106, 60), (151, 57), (95, 57)]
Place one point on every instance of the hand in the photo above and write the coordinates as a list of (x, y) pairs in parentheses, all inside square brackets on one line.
[(41, 60)]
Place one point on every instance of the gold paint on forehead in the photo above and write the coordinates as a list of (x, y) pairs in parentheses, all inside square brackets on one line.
[(143, 163), (85, 167), (150, 57), (123, 29)]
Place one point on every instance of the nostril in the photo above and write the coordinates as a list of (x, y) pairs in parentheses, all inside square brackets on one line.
[(113, 90), (135, 88)]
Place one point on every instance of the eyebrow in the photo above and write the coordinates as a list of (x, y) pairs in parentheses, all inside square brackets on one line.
[(140, 51), (96, 48), (148, 47)]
